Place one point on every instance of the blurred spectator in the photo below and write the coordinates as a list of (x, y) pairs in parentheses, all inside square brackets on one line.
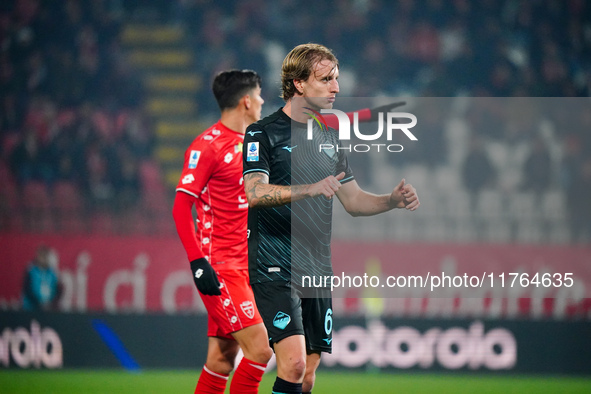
[(10, 113), (432, 150), (477, 169), (41, 282), (584, 199), (374, 58), (252, 55), (67, 78), (576, 179), (424, 45), (31, 160), (537, 169), (100, 182), (127, 181), (136, 133)]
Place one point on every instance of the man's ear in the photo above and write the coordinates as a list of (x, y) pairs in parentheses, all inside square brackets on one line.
[(246, 101), (299, 85)]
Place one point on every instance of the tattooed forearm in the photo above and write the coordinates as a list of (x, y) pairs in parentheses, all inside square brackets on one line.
[(269, 195), (250, 184), (260, 193)]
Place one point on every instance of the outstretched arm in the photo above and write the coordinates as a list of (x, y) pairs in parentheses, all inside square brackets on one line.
[(358, 202), (260, 193)]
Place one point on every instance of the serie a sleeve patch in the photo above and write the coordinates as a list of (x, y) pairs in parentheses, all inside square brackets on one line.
[(252, 153)]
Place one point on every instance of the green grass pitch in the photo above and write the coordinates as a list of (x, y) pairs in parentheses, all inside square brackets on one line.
[(151, 381)]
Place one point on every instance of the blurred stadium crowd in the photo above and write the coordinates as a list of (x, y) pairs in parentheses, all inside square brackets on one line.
[(76, 139)]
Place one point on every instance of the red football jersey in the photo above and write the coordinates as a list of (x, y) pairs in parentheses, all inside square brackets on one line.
[(212, 172)]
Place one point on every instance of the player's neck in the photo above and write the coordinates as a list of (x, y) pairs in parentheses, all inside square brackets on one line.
[(295, 111), (235, 121)]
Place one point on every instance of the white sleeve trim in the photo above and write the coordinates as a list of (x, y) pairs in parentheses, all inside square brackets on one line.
[(256, 170), (180, 189)]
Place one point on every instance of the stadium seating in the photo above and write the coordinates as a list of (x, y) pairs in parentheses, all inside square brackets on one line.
[(68, 205), (151, 177), (36, 205)]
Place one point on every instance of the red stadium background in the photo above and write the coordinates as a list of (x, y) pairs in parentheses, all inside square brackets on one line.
[(148, 274)]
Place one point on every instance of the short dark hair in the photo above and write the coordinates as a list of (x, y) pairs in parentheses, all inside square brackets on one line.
[(299, 63), (229, 86)]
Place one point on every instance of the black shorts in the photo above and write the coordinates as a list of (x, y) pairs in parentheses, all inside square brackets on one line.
[(285, 314)]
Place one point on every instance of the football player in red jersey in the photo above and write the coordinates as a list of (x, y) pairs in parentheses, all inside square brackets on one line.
[(211, 181)]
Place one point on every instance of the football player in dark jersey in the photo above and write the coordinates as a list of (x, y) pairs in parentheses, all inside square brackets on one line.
[(289, 186)]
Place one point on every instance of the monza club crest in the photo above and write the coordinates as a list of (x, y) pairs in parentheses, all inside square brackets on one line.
[(248, 309)]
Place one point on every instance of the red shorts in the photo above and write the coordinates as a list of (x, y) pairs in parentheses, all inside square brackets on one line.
[(235, 309)]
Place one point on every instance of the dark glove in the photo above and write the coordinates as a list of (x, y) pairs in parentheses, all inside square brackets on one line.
[(205, 277), (384, 108)]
